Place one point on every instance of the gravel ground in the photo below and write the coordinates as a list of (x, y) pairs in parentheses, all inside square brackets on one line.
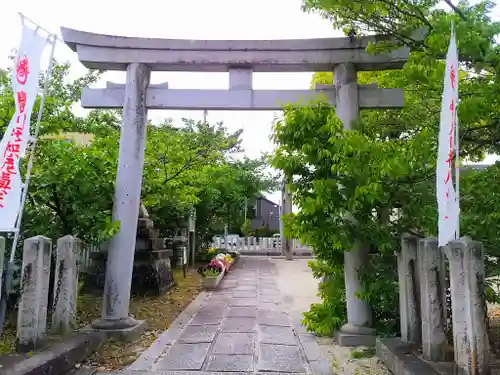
[(298, 284)]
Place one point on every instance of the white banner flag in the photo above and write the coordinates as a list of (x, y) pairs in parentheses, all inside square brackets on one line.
[(448, 205), (25, 76)]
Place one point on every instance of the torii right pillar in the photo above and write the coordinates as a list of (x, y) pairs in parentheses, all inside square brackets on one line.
[(357, 331)]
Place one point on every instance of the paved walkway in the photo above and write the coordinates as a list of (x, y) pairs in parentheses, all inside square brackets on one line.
[(246, 326)]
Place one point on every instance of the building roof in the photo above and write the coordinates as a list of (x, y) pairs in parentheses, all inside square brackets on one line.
[(263, 198), (475, 167)]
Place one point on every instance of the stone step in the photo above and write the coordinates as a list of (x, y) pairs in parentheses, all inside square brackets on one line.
[(144, 372), (148, 232), (83, 370), (152, 255), (145, 223), (149, 244)]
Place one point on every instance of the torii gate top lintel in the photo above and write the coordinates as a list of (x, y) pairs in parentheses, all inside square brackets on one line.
[(111, 52)]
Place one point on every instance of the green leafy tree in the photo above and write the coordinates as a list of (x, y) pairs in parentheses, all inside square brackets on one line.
[(72, 184), (223, 200), (71, 190), (65, 173), (383, 173), (246, 228)]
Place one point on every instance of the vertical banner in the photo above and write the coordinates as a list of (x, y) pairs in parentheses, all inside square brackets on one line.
[(25, 76), (448, 204)]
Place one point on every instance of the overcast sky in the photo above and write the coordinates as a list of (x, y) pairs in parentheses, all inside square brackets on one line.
[(195, 19), (198, 19)]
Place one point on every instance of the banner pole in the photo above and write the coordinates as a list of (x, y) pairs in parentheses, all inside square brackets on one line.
[(457, 174), (32, 153), (6, 285), (457, 148)]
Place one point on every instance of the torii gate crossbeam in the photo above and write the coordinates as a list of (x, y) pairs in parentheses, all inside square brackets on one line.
[(244, 99)]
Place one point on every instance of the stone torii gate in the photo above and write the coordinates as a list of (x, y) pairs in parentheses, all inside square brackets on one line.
[(139, 56)]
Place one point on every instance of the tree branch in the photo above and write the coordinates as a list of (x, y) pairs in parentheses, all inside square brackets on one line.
[(420, 15), (58, 210), (455, 9), (176, 174), (476, 128)]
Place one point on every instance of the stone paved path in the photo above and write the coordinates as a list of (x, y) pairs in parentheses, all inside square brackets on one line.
[(245, 326)]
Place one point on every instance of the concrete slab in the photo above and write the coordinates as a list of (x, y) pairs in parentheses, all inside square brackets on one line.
[(224, 362), (194, 334), (276, 335), (243, 302), (245, 293), (273, 318), (241, 336), (184, 357), (235, 343), (242, 311), (280, 358), (202, 319), (239, 324)]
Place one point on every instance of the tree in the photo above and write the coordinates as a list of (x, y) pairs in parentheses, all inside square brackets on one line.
[(72, 185), (475, 33), (71, 190), (223, 200), (383, 172), (50, 207), (246, 228)]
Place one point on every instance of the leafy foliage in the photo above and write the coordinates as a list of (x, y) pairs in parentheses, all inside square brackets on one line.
[(187, 166), (377, 182)]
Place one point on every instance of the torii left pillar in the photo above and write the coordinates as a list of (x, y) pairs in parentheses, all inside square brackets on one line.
[(115, 312)]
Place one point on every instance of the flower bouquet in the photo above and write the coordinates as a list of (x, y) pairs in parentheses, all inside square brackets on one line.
[(212, 273), (227, 259)]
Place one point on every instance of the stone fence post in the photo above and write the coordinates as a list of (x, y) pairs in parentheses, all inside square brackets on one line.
[(66, 284), (35, 280), (180, 247), (431, 274), (409, 293), (469, 311)]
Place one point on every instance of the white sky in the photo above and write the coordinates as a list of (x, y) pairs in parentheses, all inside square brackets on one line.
[(195, 19)]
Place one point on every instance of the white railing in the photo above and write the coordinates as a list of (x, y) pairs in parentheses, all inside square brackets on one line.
[(86, 262), (258, 245)]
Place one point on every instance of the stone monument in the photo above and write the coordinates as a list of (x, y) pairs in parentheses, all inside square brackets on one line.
[(152, 271)]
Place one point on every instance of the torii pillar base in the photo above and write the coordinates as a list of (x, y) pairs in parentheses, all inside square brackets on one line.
[(355, 338), (128, 329)]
